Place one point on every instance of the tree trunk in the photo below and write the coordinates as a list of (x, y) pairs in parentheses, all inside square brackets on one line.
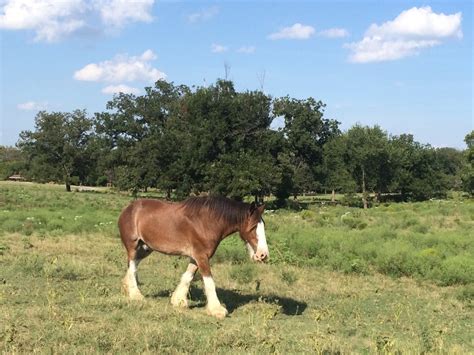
[(67, 178), (364, 192), (68, 184), (333, 196)]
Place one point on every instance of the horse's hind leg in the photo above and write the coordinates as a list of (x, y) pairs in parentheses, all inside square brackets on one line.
[(136, 253), (179, 297)]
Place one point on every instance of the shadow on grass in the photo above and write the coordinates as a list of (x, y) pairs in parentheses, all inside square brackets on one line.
[(234, 300)]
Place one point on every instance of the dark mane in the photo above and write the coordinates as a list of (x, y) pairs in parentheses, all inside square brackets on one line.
[(231, 211)]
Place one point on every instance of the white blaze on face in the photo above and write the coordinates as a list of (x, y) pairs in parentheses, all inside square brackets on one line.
[(261, 239)]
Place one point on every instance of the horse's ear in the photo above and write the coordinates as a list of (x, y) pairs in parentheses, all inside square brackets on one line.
[(261, 208)]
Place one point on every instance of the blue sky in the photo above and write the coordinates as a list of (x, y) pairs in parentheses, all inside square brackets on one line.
[(404, 65)]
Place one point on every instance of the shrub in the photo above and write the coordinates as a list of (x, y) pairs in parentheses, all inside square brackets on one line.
[(102, 181), (396, 259), (466, 293), (32, 264), (457, 270), (244, 273), (289, 277)]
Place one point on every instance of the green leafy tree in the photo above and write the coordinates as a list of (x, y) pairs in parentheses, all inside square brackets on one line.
[(449, 164), (57, 149), (222, 142), (420, 172), (130, 135), (467, 173), (367, 159), (12, 161), (306, 132), (338, 176)]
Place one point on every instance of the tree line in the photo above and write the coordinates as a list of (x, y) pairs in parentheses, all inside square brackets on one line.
[(192, 140)]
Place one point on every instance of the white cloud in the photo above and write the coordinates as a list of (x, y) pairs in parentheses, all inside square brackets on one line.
[(297, 31), (114, 89), (334, 33), (203, 15), (246, 49), (218, 48), (52, 20), (32, 106), (419, 22), (122, 68), (376, 49), (410, 32), (118, 13)]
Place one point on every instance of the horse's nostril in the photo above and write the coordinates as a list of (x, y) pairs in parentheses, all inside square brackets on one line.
[(262, 256)]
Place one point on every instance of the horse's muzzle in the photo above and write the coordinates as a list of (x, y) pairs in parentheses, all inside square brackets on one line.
[(260, 256)]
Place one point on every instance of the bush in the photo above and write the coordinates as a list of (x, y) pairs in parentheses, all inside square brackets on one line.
[(396, 259), (352, 200), (102, 181), (457, 270), (466, 293), (244, 273), (289, 277)]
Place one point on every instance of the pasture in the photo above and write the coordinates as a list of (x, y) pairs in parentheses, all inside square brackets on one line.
[(397, 277)]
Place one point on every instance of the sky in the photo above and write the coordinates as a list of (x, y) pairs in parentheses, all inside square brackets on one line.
[(403, 65)]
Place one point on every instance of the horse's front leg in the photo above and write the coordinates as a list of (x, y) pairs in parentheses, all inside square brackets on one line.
[(179, 297), (214, 307)]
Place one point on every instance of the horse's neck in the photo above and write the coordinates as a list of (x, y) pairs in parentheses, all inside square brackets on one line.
[(228, 230)]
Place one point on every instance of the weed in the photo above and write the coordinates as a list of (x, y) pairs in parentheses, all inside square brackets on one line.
[(244, 274), (289, 277)]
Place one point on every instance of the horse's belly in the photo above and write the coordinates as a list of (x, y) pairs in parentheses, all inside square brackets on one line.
[(166, 242), (171, 250), (162, 229)]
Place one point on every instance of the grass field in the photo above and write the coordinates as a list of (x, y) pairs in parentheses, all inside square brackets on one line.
[(397, 277)]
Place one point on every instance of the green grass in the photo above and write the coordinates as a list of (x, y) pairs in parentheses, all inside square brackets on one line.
[(393, 278), (429, 241)]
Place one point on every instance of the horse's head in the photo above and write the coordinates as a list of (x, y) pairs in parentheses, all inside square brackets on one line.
[(253, 233)]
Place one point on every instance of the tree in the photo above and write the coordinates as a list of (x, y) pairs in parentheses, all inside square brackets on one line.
[(338, 176), (12, 162), (467, 174), (420, 172), (131, 132), (57, 149), (449, 163), (222, 142), (306, 131), (367, 159)]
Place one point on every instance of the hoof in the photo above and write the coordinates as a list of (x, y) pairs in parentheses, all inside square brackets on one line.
[(131, 294), (125, 284), (136, 296), (218, 312), (179, 302)]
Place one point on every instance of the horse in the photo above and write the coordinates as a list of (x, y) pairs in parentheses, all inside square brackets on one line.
[(192, 228)]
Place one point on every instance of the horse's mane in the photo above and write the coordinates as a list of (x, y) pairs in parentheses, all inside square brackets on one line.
[(231, 211)]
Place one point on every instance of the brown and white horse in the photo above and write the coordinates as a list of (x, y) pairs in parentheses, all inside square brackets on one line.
[(193, 228)]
